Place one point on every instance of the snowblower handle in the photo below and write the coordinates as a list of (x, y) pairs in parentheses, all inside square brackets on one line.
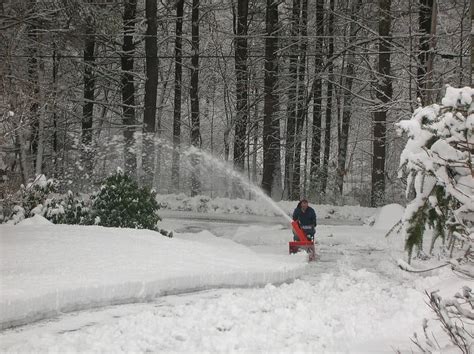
[(299, 232)]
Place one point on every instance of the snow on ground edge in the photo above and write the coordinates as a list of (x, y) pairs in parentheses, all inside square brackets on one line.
[(55, 303)]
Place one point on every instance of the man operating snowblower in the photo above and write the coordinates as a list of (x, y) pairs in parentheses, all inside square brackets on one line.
[(306, 218)]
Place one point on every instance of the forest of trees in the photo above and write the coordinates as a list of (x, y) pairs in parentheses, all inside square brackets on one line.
[(300, 96)]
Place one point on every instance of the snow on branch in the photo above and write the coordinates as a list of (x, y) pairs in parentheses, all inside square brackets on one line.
[(456, 316), (438, 163)]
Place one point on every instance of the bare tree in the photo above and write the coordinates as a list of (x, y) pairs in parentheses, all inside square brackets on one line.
[(178, 74), (89, 93), (151, 88), (292, 100), (344, 125), (128, 85), (427, 26), (241, 88), (301, 114), (317, 101), (330, 91), (194, 96), (271, 124), (384, 95), (33, 78)]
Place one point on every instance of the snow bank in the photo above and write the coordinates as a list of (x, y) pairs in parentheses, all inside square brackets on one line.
[(205, 204), (49, 269), (347, 311), (35, 220), (388, 216)]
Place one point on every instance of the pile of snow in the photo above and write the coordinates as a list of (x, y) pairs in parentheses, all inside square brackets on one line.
[(35, 220), (205, 204), (388, 216), (49, 269)]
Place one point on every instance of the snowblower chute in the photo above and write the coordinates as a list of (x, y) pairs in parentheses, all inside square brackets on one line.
[(303, 244)]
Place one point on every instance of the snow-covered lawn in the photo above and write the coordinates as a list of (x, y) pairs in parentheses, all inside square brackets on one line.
[(353, 299), (48, 269)]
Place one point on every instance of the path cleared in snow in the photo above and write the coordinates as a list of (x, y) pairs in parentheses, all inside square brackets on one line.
[(248, 219)]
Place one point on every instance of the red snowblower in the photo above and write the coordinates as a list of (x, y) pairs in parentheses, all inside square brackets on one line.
[(303, 244)]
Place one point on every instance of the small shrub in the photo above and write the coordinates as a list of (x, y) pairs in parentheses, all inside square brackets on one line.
[(28, 201), (122, 203), (34, 195), (69, 210), (203, 204)]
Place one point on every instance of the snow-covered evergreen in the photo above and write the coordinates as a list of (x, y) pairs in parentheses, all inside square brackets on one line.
[(122, 203), (438, 164)]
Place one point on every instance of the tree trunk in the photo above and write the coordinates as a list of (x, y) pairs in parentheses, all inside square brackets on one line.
[(255, 137), (151, 88), (54, 141), (241, 74), (178, 74), (33, 78), (128, 87), (343, 135), (383, 94), (159, 113), (301, 111), (40, 146), (23, 153), (292, 100), (471, 71), (89, 92), (328, 121), (194, 95), (271, 124), (425, 54), (254, 154), (315, 167)]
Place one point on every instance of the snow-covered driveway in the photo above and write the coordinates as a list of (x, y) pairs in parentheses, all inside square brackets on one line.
[(353, 299)]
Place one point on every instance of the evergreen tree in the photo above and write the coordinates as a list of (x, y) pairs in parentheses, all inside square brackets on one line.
[(438, 164), (70, 210), (122, 203)]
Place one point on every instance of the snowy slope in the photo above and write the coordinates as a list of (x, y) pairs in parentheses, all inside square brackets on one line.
[(48, 269)]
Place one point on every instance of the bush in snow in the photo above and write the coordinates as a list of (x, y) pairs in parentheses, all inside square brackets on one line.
[(122, 203), (119, 203), (35, 199), (68, 210), (34, 195), (29, 200), (17, 215), (438, 164)]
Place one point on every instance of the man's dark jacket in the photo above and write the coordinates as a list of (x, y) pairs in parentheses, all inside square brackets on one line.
[(307, 218)]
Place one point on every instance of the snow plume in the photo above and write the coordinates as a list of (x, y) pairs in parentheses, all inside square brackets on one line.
[(438, 163)]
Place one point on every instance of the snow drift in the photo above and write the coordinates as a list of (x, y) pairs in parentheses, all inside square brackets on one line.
[(49, 269)]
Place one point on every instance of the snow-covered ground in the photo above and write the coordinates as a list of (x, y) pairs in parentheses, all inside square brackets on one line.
[(48, 269), (353, 299)]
